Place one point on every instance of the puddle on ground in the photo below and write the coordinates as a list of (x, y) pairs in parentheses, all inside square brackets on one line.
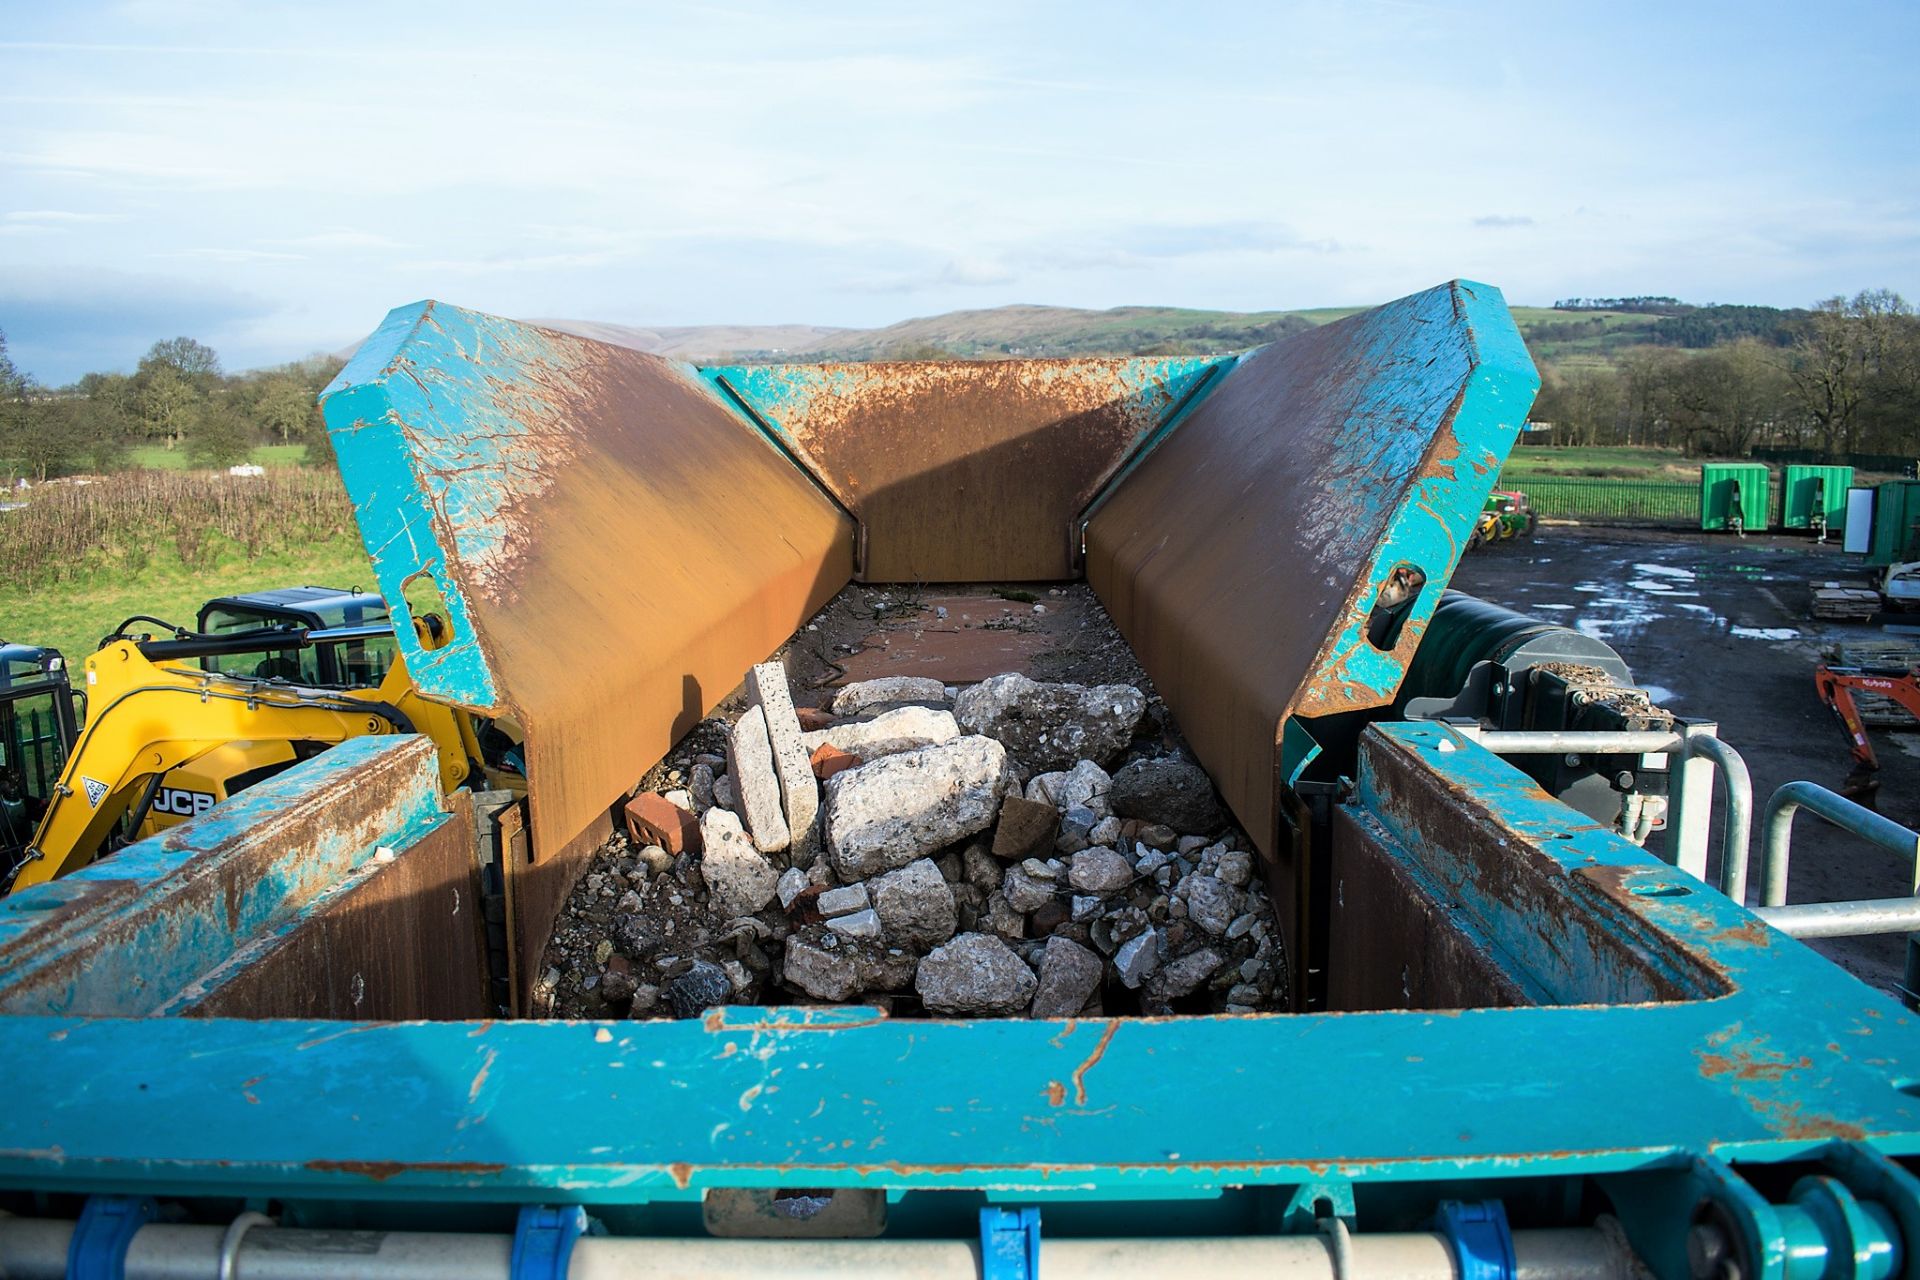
[(1766, 633), (1664, 571)]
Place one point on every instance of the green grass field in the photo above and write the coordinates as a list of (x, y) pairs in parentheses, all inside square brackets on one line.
[(1601, 462), (161, 458), (72, 616)]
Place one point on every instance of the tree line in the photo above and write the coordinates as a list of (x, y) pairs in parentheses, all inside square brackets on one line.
[(1842, 377), (178, 398)]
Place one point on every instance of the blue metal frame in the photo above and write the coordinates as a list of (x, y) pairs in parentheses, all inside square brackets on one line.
[(1794, 1056)]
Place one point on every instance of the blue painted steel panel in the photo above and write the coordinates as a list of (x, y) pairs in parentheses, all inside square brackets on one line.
[(1795, 1055)]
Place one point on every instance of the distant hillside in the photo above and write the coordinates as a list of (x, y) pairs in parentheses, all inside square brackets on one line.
[(997, 332), (1584, 334)]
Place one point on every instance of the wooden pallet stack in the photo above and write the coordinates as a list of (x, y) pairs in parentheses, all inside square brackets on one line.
[(1845, 601), (1877, 711)]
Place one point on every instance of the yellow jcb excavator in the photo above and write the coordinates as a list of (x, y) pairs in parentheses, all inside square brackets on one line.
[(161, 741)]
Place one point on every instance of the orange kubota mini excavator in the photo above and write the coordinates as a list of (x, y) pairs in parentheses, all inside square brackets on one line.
[(1837, 687)]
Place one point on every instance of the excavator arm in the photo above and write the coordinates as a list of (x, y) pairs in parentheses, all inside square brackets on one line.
[(1836, 687), (146, 717)]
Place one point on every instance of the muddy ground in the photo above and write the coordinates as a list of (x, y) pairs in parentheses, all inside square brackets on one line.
[(1719, 629)]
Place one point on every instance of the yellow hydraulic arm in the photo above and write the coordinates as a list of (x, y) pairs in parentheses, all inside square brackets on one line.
[(146, 717)]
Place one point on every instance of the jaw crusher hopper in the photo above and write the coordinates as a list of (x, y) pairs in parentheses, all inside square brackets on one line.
[(266, 1043)]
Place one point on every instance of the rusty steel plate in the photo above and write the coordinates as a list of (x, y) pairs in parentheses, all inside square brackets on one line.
[(1242, 556), (965, 471), (606, 546)]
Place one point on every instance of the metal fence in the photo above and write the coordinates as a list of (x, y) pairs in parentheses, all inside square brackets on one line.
[(1626, 501)]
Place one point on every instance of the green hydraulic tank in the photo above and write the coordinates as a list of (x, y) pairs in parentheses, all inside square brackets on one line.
[(1733, 492)]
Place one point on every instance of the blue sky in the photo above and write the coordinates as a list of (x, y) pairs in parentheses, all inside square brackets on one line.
[(272, 178)]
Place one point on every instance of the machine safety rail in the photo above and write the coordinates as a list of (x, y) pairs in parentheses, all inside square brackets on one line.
[(1736, 784), (1833, 919)]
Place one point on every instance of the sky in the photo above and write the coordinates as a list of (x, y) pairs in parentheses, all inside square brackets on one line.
[(272, 178)]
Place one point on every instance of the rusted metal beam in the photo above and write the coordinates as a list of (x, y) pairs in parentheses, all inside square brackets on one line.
[(965, 471), (1326, 475), (578, 537)]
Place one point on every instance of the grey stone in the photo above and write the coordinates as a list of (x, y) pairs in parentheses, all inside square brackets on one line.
[(903, 807), (1076, 830), (1098, 870), (616, 986), (1190, 844), (1244, 993), (1025, 892), (861, 924), (1051, 726), (1080, 787), (658, 861), (822, 974), (792, 883), (1069, 975), (1171, 792), (1182, 975), (1242, 925), (723, 793), (870, 696), (1041, 870), (755, 784), (915, 904), (700, 787), (1138, 957), (901, 729), (1235, 867), (980, 868), (1003, 919), (1085, 907), (742, 881), (1106, 831), (974, 973), (1212, 903), (1157, 835), (703, 986), (799, 789), (843, 901)]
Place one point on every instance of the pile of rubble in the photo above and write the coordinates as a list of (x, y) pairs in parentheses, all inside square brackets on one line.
[(958, 853)]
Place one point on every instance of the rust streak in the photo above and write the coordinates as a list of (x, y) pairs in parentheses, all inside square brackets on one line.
[(1099, 1051), (381, 1170)]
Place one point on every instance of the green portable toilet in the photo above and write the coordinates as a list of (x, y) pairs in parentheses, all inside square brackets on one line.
[(1725, 484), (1896, 523), (1815, 496)]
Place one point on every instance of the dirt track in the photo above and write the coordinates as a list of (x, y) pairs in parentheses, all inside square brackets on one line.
[(1718, 630)]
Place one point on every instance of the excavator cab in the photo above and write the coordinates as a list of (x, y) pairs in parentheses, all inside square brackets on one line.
[(350, 662), (39, 716)]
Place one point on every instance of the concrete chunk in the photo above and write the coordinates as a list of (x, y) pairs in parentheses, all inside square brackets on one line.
[(1052, 726), (915, 904), (869, 696), (756, 786), (974, 973), (741, 880), (904, 807), (1069, 974), (799, 790), (901, 729)]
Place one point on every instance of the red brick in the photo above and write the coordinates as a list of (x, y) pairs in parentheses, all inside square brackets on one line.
[(828, 760), (654, 819), (813, 718)]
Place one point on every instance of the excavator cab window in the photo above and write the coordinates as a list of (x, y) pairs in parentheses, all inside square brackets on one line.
[(294, 665), (357, 663)]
